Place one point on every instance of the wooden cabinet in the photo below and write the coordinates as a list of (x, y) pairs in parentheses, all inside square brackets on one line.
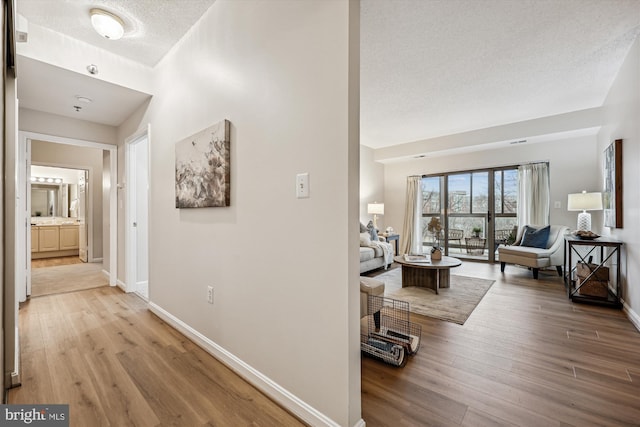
[(49, 241), (48, 238), (69, 237), (35, 239)]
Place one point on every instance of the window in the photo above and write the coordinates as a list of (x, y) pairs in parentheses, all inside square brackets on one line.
[(470, 207)]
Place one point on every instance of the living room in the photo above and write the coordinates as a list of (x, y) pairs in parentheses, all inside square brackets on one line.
[(490, 351), (572, 142)]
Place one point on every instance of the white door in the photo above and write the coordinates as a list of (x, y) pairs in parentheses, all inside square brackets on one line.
[(137, 230), (83, 182), (23, 223)]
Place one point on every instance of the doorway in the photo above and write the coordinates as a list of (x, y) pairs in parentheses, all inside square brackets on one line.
[(59, 218), (474, 211), (137, 213), (108, 160)]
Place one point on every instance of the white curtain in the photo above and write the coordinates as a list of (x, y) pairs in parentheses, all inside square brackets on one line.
[(411, 233), (533, 194)]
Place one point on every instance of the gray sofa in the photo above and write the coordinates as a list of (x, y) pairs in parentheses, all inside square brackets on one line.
[(371, 255)]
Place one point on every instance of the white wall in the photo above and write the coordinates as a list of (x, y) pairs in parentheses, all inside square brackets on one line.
[(51, 124), (622, 121), (280, 266), (77, 157), (572, 168), (371, 185), (74, 54)]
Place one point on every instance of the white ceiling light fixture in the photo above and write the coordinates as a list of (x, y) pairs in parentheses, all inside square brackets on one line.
[(107, 24)]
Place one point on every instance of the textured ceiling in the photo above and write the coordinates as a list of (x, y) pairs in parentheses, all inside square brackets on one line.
[(432, 68), (152, 27), (428, 67)]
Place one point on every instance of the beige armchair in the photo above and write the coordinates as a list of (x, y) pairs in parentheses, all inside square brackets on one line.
[(536, 258)]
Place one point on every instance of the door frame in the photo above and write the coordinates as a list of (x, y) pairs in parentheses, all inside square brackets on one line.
[(23, 246), (130, 232)]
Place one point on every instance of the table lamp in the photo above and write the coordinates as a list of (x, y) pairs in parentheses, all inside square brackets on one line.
[(584, 202), (375, 209)]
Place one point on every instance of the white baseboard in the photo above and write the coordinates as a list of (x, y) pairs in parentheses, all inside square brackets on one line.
[(263, 383), (360, 423), (632, 315), (15, 375), (121, 285)]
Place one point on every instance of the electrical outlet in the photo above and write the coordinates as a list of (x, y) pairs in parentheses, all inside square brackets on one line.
[(210, 294)]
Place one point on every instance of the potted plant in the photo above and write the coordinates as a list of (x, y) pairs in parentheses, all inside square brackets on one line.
[(435, 228), (476, 231)]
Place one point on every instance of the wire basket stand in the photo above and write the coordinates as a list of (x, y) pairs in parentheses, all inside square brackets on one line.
[(388, 334)]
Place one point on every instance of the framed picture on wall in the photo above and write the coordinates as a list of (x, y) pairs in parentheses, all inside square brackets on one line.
[(612, 194), (203, 168)]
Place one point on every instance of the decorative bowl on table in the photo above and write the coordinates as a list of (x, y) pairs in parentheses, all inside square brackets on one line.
[(585, 235)]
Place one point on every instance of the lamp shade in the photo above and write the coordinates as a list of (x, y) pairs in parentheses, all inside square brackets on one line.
[(375, 208), (584, 201)]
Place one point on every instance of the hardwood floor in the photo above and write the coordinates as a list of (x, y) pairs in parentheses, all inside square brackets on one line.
[(51, 262), (116, 364), (526, 356)]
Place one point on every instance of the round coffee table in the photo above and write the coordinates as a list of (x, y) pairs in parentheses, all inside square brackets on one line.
[(432, 274)]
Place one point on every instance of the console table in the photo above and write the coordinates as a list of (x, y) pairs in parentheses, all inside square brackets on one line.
[(596, 247)]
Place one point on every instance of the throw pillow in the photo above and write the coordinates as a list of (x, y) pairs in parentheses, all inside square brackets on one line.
[(533, 238), (363, 228), (365, 239), (372, 231)]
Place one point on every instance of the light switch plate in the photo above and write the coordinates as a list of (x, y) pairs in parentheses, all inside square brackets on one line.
[(302, 185)]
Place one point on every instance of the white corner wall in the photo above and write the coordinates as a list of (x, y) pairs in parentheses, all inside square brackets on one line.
[(281, 267), (622, 121), (52, 124), (371, 184), (568, 160)]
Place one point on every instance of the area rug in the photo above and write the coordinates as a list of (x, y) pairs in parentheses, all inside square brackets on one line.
[(454, 304)]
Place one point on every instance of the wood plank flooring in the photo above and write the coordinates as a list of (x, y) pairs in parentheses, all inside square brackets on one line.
[(116, 364), (51, 262), (526, 356)]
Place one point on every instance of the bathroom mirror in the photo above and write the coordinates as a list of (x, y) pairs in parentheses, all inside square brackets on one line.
[(49, 200)]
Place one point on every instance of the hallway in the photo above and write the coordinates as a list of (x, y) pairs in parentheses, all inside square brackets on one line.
[(116, 364)]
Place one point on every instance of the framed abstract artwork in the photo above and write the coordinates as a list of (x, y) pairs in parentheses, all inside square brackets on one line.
[(203, 168), (612, 194)]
